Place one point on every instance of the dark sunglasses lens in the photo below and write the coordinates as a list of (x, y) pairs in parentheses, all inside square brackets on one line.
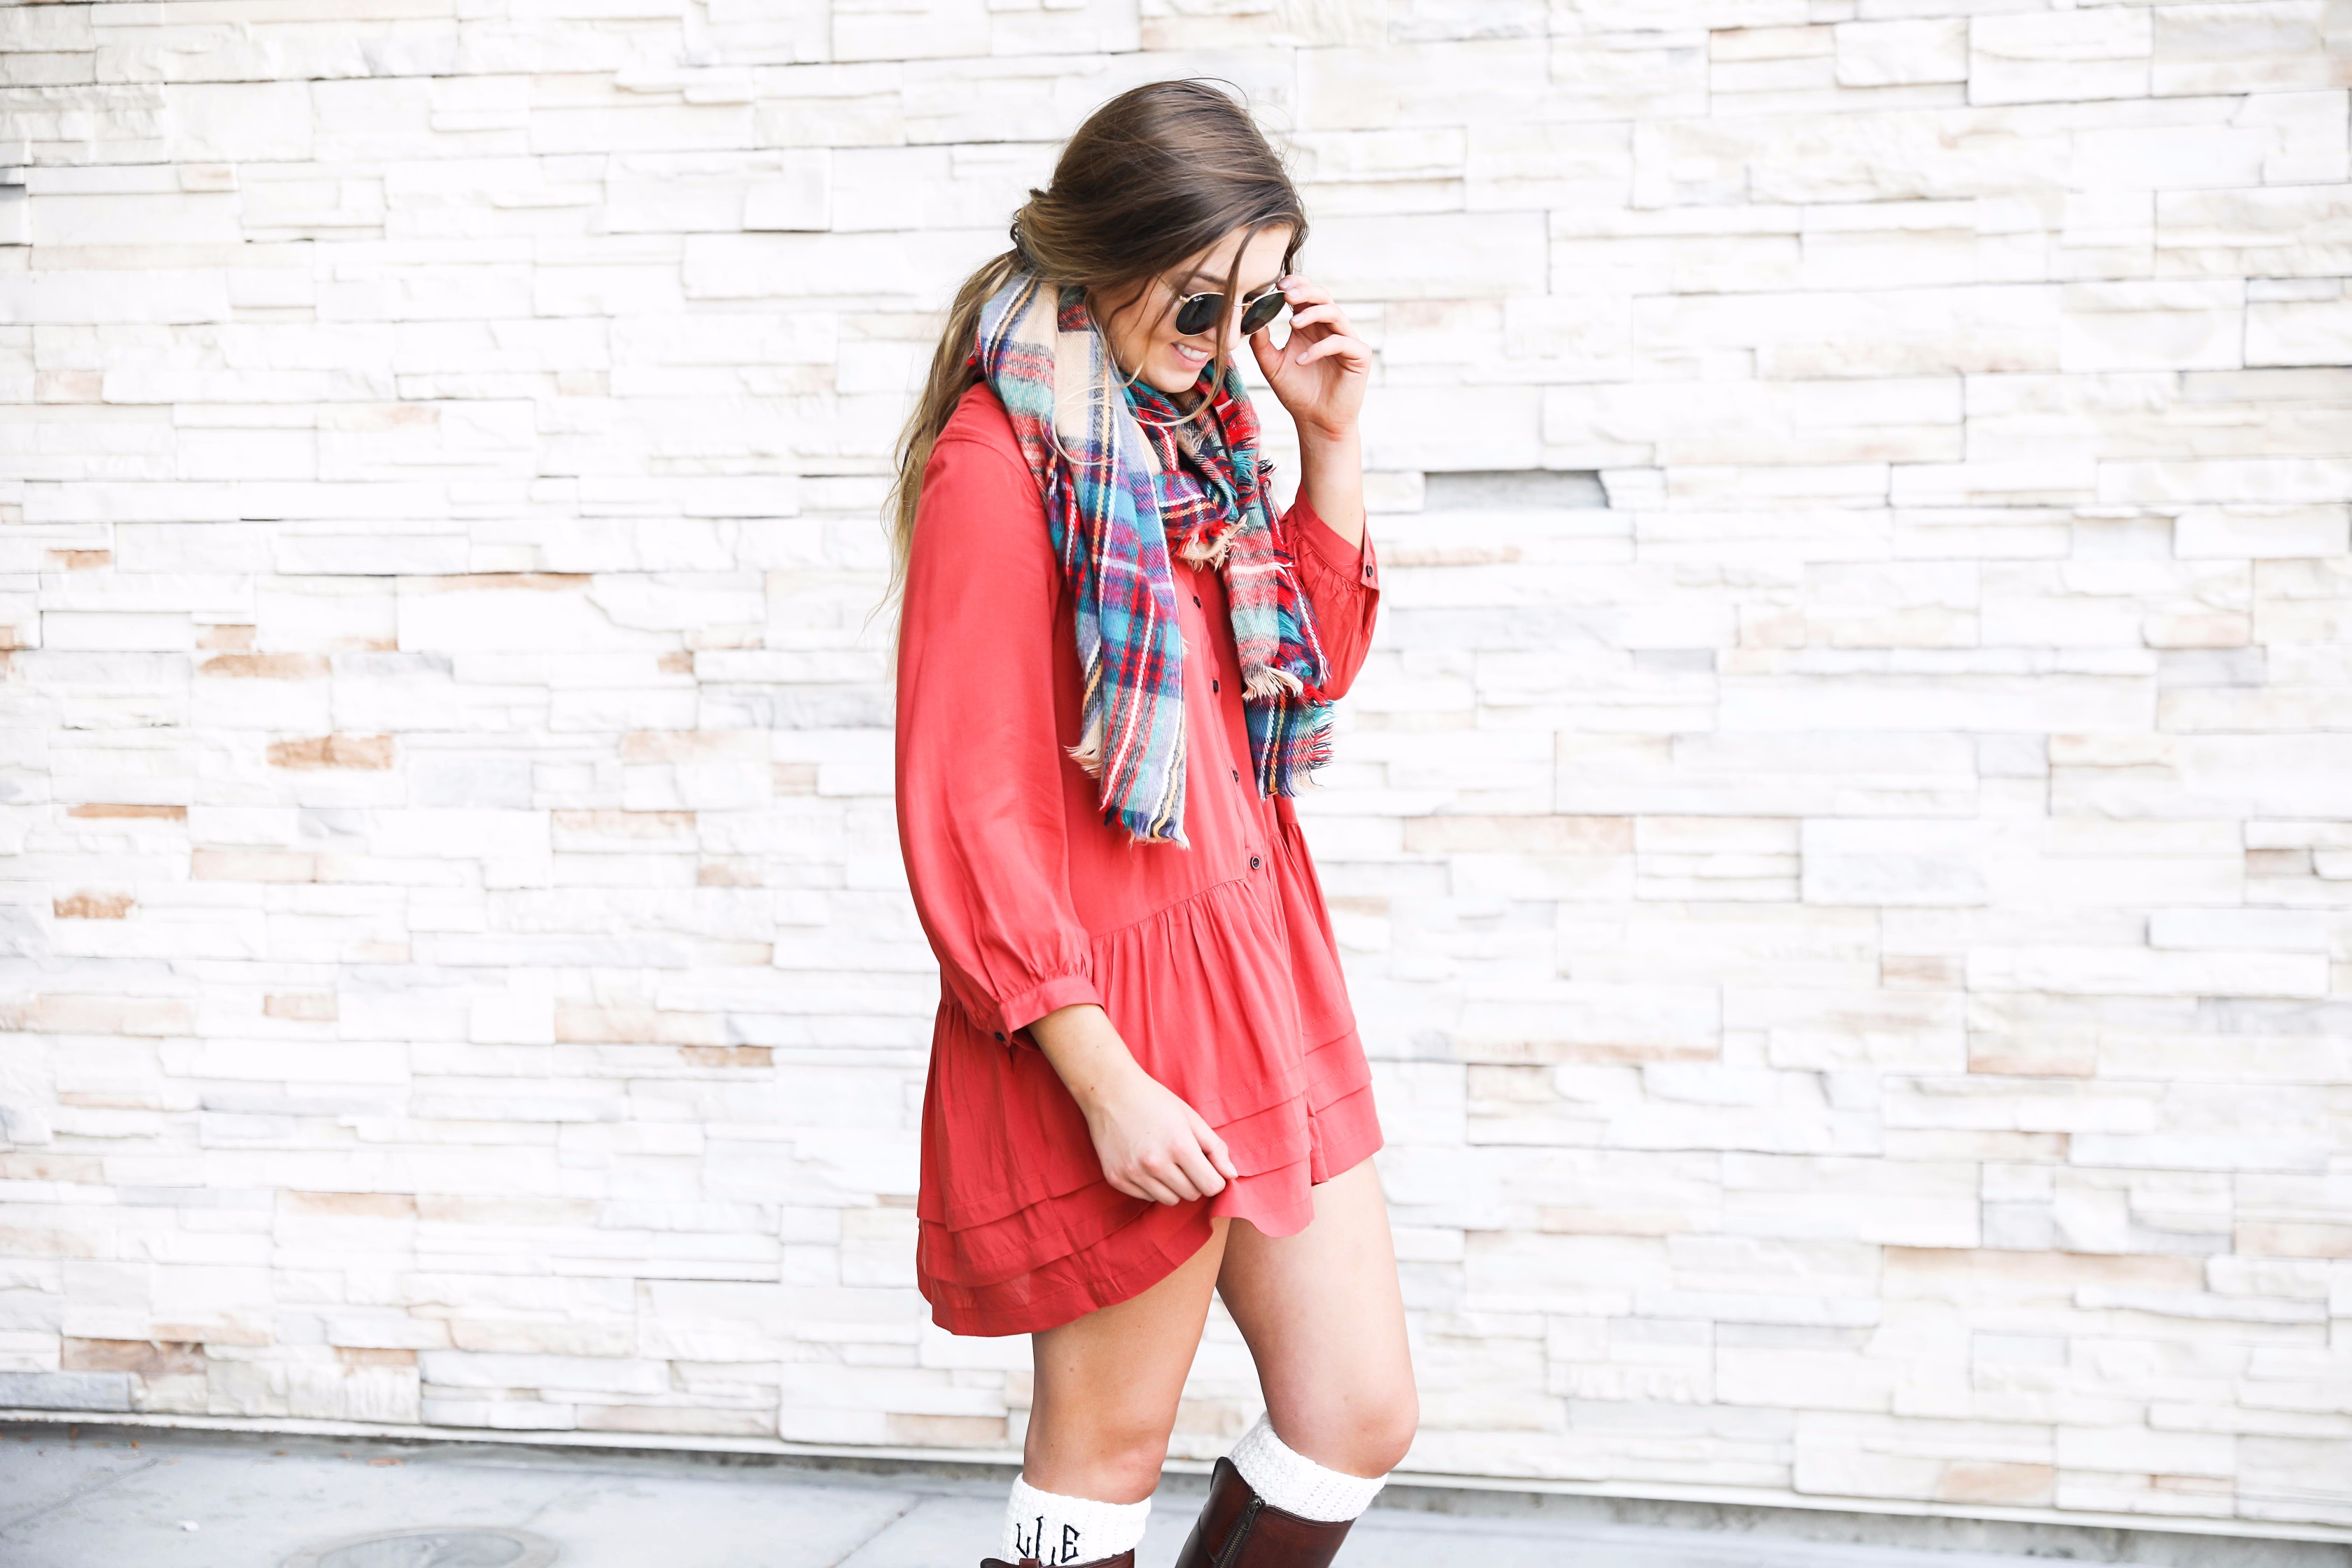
[(1199, 314), (1261, 312)]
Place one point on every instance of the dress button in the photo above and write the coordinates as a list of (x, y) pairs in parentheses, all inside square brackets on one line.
[(1215, 687), (1237, 776), (999, 1034), (1252, 867), (1196, 599)]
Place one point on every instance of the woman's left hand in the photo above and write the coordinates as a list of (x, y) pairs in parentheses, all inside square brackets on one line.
[(1321, 371)]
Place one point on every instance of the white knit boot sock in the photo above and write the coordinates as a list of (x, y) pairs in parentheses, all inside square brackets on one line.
[(1295, 1484), (1057, 1530)]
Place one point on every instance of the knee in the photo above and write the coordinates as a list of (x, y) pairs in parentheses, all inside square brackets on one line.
[(1111, 1454), (1129, 1459), (1385, 1433), (1369, 1436)]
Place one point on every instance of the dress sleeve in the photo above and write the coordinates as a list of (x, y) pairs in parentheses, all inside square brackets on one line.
[(1343, 581), (980, 758)]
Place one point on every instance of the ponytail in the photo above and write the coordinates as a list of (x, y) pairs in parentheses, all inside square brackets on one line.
[(951, 372)]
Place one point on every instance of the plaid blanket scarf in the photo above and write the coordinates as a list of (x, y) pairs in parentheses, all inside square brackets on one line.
[(1126, 478)]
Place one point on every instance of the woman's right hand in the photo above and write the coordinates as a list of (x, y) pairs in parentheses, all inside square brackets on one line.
[(1151, 1144)]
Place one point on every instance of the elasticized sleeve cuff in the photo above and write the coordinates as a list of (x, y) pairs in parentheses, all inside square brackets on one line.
[(1015, 1014), (1320, 541)]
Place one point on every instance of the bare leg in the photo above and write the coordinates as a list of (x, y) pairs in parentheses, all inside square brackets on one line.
[(1108, 1386), (1324, 1317)]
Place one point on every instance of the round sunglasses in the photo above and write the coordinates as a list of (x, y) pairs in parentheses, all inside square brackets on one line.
[(1199, 312)]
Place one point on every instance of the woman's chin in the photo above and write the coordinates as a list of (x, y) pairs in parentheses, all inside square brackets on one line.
[(1176, 373)]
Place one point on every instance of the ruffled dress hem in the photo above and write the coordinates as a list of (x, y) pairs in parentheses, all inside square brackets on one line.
[(1124, 1246)]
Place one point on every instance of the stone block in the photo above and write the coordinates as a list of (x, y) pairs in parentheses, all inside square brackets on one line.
[(509, 1414), (1889, 862), (2263, 47), (1516, 164), (1442, 84), (2289, 231), (2299, 331), (91, 1390), (193, 218), (2305, 125), (2237, 930), (1446, 428), (238, 121), (897, 29), (1892, 331), (1436, 256), (2039, 56), (1902, 53), (1649, 72), (2238, 532), (2146, 326)]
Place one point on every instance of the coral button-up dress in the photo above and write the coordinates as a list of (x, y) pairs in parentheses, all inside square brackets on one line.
[(1215, 962)]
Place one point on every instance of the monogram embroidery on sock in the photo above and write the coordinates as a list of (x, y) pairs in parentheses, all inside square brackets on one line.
[(1034, 1543)]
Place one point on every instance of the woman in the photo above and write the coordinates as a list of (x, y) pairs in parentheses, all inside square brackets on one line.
[(1116, 665)]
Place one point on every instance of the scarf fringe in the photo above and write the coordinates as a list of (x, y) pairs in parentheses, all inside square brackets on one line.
[(1268, 680), (1209, 553)]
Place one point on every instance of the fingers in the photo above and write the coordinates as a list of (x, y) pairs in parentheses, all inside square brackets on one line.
[(1298, 291), (1165, 1153), (1261, 342), (1311, 302), (1168, 1173), (1186, 1173), (1174, 1175), (1198, 1173), (1141, 1183), (1214, 1146), (1353, 352), (1329, 315)]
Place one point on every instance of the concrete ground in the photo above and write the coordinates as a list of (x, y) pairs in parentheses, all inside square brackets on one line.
[(133, 1497)]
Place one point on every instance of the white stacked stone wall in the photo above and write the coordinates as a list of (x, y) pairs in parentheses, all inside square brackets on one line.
[(1844, 849)]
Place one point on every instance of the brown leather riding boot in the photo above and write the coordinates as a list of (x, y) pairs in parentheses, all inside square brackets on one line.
[(1239, 1529), (1124, 1559)]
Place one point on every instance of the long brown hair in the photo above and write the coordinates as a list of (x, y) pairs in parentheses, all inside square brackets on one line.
[(1159, 174)]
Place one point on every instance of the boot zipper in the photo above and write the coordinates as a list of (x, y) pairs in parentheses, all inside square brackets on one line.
[(1233, 1551)]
